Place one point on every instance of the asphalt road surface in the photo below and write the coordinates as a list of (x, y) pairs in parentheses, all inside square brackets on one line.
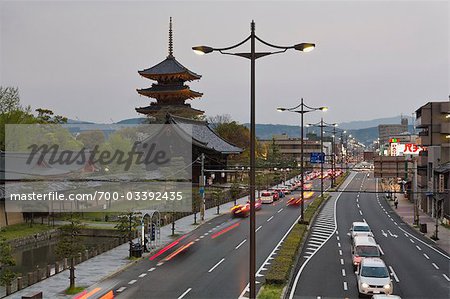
[(212, 260), (417, 268)]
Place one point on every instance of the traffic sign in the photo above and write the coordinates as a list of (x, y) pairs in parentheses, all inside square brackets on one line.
[(317, 158)]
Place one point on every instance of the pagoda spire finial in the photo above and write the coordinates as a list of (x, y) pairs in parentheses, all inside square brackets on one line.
[(170, 39)]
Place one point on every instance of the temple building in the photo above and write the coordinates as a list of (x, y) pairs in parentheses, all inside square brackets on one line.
[(170, 91)]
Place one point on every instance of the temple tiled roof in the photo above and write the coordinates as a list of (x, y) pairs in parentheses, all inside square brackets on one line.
[(183, 91), (159, 109), (203, 135), (169, 67)]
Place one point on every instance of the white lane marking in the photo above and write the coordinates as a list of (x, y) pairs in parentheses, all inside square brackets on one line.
[(143, 275), (270, 218), (393, 274), (391, 234), (185, 293), (381, 250), (258, 228), (436, 266), (343, 272), (205, 234), (384, 234), (159, 264), (280, 210), (418, 248), (339, 244), (426, 256), (297, 277), (132, 281), (196, 240), (342, 261), (201, 237), (431, 247), (364, 220), (412, 241), (395, 223), (120, 290), (337, 238), (151, 269), (360, 212), (446, 277), (240, 244), (337, 233), (216, 265), (345, 286), (318, 238)]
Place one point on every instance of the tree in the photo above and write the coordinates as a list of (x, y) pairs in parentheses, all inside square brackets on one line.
[(217, 196), (235, 190), (6, 262), (46, 116), (91, 138), (70, 244), (9, 99), (217, 120), (127, 225), (234, 133)]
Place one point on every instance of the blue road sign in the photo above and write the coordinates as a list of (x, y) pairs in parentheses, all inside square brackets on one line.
[(317, 158)]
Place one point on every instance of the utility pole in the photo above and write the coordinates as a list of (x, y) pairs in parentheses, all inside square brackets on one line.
[(322, 160), (202, 188)]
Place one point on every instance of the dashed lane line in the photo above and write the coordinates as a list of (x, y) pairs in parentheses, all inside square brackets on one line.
[(143, 275), (435, 266), (151, 269), (418, 248), (446, 277), (121, 289), (280, 210), (345, 286), (393, 274), (270, 218), (426, 256), (216, 265), (185, 293), (258, 228), (340, 252), (240, 244), (343, 272), (132, 281)]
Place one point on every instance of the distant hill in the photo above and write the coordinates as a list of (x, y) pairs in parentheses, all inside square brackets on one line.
[(132, 121), (362, 124)]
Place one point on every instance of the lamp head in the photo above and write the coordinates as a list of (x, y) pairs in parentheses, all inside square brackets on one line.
[(305, 47), (201, 50), (279, 109), (323, 108)]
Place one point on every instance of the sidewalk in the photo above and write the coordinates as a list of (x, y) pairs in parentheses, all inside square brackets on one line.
[(406, 211), (106, 264)]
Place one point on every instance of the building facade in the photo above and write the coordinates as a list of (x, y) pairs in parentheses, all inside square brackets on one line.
[(433, 121), (386, 131)]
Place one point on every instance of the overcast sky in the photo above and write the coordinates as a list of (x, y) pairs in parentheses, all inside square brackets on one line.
[(373, 59)]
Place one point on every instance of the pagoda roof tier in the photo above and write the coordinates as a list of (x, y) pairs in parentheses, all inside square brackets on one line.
[(183, 109), (203, 135), (173, 91), (169, 69)]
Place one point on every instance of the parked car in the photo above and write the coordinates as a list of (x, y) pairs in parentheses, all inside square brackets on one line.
[(360, 229), (373, 277), (364, 246), (384, 296), (266, 197)]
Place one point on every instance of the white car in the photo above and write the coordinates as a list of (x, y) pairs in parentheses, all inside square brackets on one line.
[(360, 229), (382, 296), (266, 197), (373, 277), (364, 246)]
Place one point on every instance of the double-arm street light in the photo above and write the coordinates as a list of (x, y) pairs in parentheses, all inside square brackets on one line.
[(302, 109), (322, 125), (333, 153), (253, 55)]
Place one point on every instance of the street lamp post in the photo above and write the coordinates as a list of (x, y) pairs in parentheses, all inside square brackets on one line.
[(302, 111), (322, 125), (253, 55)]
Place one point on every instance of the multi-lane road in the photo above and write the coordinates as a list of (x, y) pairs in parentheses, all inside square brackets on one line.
[(418, 269), (212, 260)]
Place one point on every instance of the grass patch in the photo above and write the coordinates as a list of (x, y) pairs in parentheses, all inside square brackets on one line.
[(21, 230), (73, 291), (280, 269), (271, 291)]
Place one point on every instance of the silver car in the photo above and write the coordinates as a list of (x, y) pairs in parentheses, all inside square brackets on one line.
[(373, 277)]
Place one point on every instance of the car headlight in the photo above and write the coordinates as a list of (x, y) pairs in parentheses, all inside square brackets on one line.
[(387, 286), (364, 285)]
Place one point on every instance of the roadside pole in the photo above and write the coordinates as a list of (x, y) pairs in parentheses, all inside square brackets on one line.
[(202, 188)]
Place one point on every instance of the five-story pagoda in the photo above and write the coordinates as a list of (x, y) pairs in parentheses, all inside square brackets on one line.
[(170, 91)]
